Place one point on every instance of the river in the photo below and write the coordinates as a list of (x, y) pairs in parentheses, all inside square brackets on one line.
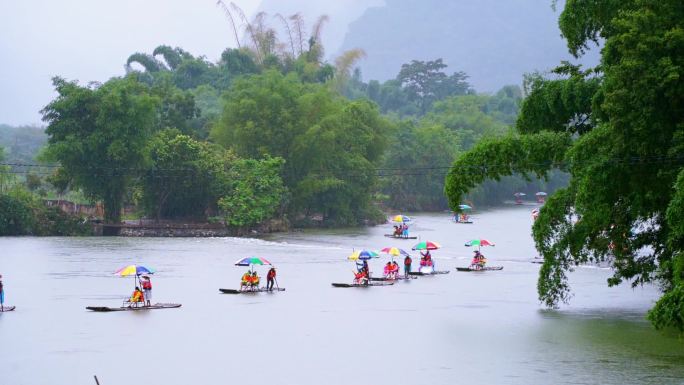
[(474, 328)]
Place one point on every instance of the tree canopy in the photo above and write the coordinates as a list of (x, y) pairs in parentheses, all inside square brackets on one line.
[(98, 134)]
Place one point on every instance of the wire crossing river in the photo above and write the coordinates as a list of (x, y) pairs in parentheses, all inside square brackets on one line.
[(457, 328)]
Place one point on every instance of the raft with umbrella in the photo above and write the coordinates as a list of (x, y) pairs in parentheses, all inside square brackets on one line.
[(394, 252), (362, 255), (427, 267), (463, 217), (401, 220), (518, 197), (251, 262), (474, 267), (136, 271)]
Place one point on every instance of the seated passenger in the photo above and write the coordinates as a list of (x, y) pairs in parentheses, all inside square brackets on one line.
[(246, 281), (361, 278), (255, 281), (137, 297)]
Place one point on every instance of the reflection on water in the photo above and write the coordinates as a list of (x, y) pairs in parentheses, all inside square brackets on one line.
[(456, 328)]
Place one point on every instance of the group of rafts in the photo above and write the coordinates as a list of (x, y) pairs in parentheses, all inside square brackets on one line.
[(391, 270), (250, 281), (140, 299)]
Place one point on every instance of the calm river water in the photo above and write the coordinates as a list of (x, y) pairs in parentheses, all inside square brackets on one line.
[(460, 328)]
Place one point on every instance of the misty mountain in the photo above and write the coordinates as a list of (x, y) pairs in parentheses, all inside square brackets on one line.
[(493, 41)]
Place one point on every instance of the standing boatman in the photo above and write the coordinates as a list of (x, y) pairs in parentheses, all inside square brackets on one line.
[(407, 265), (270, 278), (147, 289), (2, 295)]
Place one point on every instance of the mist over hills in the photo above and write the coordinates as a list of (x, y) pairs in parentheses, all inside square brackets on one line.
[(495, 42)]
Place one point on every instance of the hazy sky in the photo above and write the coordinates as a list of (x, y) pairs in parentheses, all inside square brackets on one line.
[(91, 40)]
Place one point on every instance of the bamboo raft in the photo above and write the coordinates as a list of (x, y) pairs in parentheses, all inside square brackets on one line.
[(418, 273), (386, 283), (486, 268), (8, 308), (399, 237), (260, 290), (134, 308)]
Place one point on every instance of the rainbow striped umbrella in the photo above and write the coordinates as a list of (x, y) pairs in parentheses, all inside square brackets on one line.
[(252, 261), (401, 219), (363, 255), (479, 243), (393, 251), (427, 245), (134, 270)]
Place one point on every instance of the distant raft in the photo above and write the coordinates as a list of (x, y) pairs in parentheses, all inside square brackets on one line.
[(486, 268), (156, 306), (398, 278), (260, 290), (386, 283), (418, 273), (7, 308), (399, 236)]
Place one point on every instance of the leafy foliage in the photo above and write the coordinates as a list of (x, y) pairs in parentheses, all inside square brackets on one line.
[(22, 214), (623, 203), (256, 191), (99, 135), (183, 178)]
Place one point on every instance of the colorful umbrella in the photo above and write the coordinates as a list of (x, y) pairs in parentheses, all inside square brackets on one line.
[(464, 207), (479, 243), (252, 261), (427, 245), (541, 194), (393, 251), (401, 219), (362, 255), (133, 270), (519, 194)]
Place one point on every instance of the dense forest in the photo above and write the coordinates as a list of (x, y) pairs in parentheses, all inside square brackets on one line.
[(617, 129), (270, 130)]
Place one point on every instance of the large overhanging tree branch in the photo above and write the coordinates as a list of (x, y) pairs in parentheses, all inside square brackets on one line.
[(493, 159)]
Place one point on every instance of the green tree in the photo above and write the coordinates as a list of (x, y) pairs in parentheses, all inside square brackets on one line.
[(99, 135), (256, 191), (183, 177), (425, 82), (621, 144)]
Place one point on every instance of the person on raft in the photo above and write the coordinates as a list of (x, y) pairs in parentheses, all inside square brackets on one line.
[(404, 230), (2, 295), (425, 258), (479, 261), (407, 265), (395, 269), (254, 282), (137, 297), (397, 231), (147, 289), (389, 271), (245, 281), (270, 278), (361, 278)]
